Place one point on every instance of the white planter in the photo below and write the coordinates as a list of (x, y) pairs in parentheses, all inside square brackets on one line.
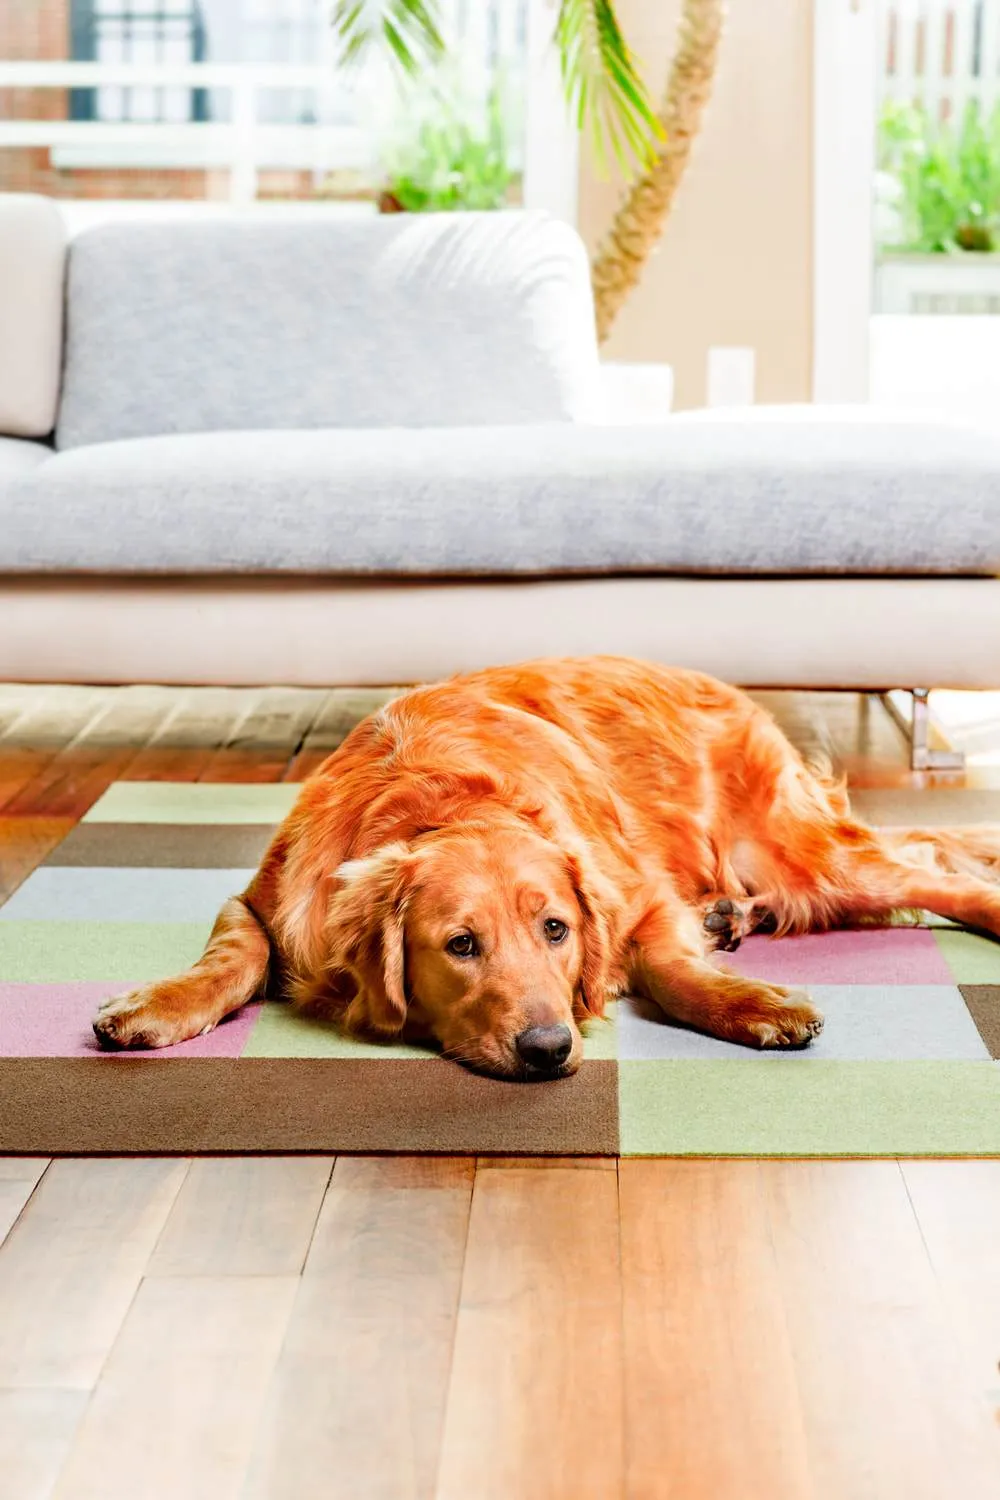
[(964, 284), (634, 395), (731, 376)]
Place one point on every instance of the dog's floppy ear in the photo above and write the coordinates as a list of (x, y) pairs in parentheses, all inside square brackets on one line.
[(366, 936), (594, 899)]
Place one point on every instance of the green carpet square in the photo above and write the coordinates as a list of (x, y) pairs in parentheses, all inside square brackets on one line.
[(971, 958), (193, 802), (600, 1036), (118, 952), (283, 1031), (809, 1108)]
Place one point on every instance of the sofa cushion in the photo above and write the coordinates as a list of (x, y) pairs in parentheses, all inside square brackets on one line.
[(406, 320), (32, 266), (18, 458), (687, 497)]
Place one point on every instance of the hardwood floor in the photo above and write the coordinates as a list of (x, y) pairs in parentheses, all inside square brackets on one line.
[(444, 1329)]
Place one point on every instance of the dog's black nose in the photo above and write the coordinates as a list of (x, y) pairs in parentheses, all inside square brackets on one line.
[(545, 1047)]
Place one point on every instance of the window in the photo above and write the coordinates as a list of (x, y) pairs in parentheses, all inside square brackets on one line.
[(138, 31), (293, 32)]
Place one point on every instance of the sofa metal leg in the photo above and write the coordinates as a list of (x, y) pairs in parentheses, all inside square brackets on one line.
[(916, 731)]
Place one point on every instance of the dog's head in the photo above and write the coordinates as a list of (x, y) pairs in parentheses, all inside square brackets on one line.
[(494, 941)]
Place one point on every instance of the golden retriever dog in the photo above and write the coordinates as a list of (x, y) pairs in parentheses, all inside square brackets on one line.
[(483, 863)]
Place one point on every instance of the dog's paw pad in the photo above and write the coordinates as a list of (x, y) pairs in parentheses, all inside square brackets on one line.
[(726, 923), (107, 1035), (111, 1024)]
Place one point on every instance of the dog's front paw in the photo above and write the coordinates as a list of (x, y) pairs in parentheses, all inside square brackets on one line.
[(790, 1021), (142, 1018)]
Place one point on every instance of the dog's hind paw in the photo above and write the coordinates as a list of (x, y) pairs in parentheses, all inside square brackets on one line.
[(726, 922)]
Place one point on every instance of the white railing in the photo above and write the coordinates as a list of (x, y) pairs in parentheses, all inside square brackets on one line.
[(240, 143), (486, 39), (941, 54)]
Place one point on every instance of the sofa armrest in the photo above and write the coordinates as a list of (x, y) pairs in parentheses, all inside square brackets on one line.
[(32, 266)]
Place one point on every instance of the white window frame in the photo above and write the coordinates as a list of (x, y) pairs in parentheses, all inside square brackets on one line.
[(844, 121), (551, 140)]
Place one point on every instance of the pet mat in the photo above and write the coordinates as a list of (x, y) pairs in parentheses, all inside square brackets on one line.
[(905, 1067)]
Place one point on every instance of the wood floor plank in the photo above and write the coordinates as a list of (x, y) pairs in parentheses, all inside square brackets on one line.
[(535, 1400), (852, 731), (888, 1406), (957, 1204), (839, 727), (22, 1168), (36, 725), (19, 1176), (196, 724), (36, 1431), (359, 1393), (176, 1409), (71, 758), (70, 1266), (243, 1216), (46, 717), (20, 764), (73, 780), (267, 738), (24, 843), (337, 716), (12, 699), (19, 698), (711, 1398), (543, 1163)]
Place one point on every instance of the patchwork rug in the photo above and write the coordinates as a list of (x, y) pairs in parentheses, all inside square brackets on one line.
[(905, 1066)]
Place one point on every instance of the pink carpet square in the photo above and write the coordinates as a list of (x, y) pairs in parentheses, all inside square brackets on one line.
[(54, 1020), (870, 955)]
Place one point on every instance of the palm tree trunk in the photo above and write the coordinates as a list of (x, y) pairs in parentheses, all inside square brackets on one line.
[(640, 218)]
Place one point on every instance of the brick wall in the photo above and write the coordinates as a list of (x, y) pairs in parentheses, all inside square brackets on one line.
[(39, 30), (30, 31)]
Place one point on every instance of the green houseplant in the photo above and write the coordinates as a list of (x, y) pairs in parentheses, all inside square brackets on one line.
[(450, 156), (937, 211), (607, 96), (944, 178)]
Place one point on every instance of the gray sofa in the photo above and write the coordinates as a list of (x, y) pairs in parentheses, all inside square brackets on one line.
[(372, 451)]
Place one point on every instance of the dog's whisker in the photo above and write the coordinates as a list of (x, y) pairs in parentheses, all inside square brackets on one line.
[(465, 1052)]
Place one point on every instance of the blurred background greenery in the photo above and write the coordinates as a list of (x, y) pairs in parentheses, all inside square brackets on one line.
[(939, 186)]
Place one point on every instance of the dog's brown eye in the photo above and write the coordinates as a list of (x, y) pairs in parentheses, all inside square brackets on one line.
[(555, 930), (462, 945)]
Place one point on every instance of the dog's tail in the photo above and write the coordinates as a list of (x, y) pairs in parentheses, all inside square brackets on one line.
[(973, 850)]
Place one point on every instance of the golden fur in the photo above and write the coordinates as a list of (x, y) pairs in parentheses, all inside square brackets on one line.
[(653, 814)]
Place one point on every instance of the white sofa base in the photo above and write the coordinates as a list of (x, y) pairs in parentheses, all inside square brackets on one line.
[(820, 633)]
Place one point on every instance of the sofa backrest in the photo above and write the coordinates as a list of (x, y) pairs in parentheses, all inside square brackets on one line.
[(32, 267), (399, 320)]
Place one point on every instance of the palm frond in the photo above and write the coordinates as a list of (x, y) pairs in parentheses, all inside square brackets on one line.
[(405, 30), (603, 84)]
